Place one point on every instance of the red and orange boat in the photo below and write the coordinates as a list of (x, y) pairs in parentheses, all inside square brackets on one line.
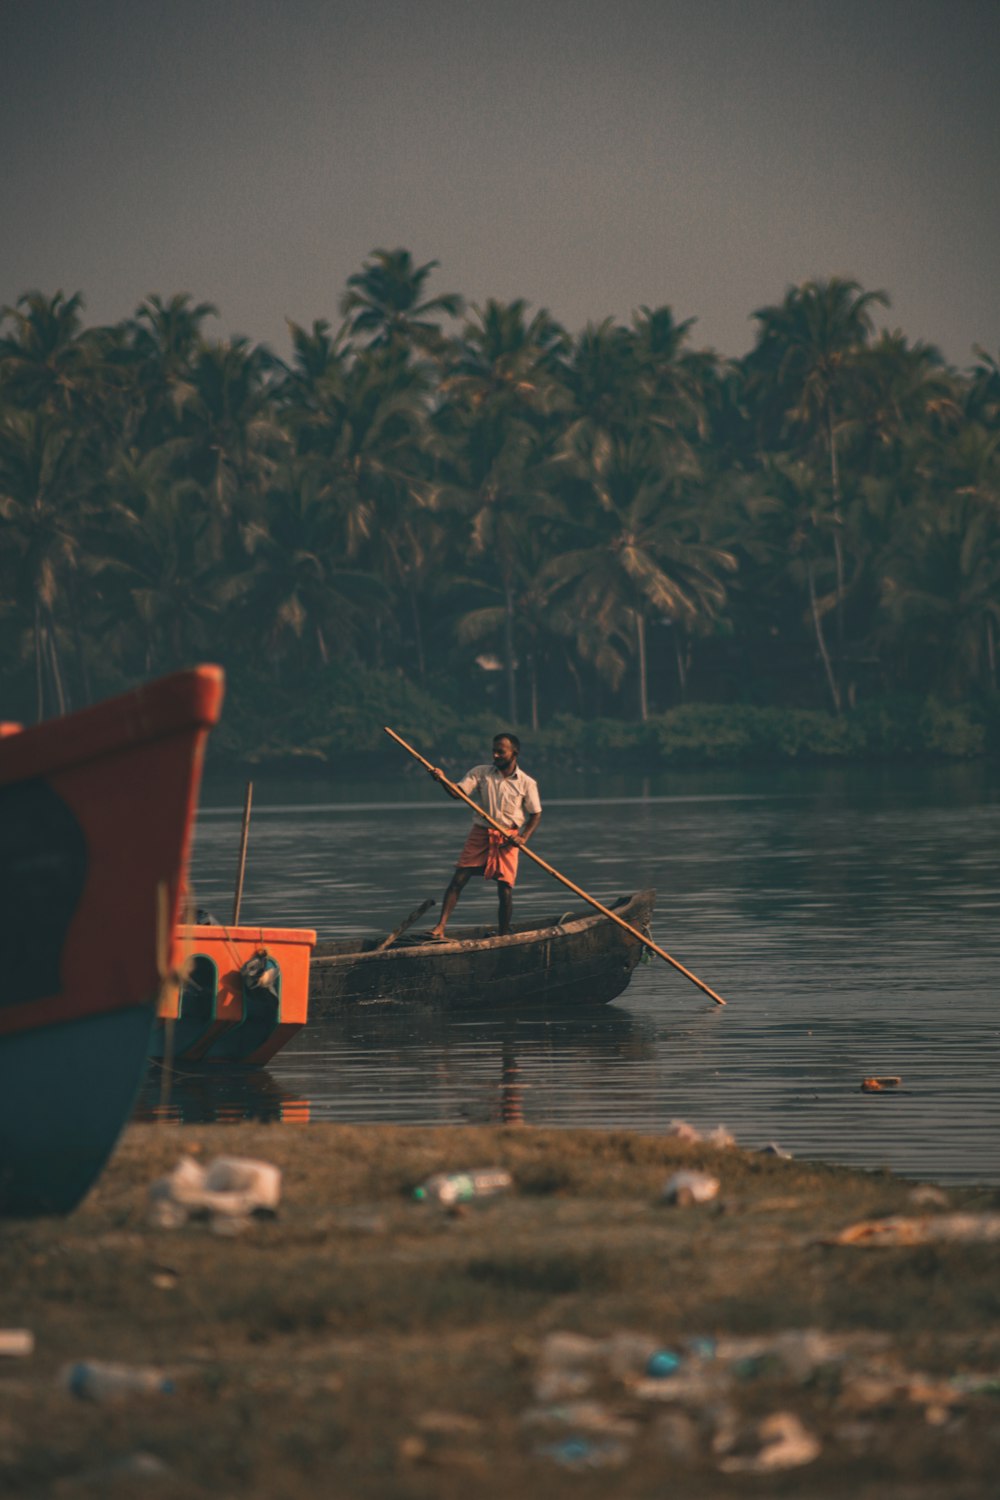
[(96, 812), (245, 993)]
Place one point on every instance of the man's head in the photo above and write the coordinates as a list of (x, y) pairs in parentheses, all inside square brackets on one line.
[(505, 750)]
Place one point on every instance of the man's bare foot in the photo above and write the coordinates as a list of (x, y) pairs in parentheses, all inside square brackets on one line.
[(437, 933)]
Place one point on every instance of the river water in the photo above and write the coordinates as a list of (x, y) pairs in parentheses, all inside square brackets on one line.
[(849, 918)]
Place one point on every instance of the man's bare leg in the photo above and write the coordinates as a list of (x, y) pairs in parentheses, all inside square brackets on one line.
[(456, 886), (506, 906)]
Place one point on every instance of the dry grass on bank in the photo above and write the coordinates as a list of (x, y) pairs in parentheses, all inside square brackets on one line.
[(362, 1344)]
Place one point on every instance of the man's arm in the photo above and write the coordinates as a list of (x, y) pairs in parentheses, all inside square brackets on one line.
[(525, 831), (440, 777)]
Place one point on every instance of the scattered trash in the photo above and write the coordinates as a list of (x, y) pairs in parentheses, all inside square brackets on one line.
[(228, 1191), (566, 1366), (927, 1196), (794, 1352), (773, 1149), (779, 1441), (959, 1228), (585, 1416), (626, 1354), (876, 1085), (447, 1188), (663, 1364), (585, 1453), (976, 1385), (680, 1130), (685, 1188), (439, 1441), (15, 1343), (100, 1380)]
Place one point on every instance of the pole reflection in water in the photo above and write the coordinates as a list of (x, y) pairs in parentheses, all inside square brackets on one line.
[(511, 1087)]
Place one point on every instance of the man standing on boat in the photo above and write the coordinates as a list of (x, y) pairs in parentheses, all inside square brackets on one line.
[(510, 796)]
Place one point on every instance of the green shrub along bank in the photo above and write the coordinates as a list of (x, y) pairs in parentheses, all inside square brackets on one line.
[(342, 725)]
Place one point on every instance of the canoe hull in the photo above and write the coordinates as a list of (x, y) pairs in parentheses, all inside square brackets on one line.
[(583, 958)]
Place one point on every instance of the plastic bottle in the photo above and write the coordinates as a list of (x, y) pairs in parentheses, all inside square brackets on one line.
[(460, 1187), (101, 1380)]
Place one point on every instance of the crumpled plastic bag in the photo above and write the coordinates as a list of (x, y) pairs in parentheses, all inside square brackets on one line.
[(685, 1188), (227, 1192)]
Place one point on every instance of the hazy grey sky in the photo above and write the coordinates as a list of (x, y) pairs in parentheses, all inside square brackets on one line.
[(588, 155)]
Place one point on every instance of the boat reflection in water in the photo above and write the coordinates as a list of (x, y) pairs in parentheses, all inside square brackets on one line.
[(409, 1069), (212, 1096)]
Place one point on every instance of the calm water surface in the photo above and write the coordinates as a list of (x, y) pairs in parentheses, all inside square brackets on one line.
[(850, 919)]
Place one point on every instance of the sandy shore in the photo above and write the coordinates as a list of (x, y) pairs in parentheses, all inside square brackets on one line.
[(576, 1335)]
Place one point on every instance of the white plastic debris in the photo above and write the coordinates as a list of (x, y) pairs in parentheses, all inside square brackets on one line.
[(16, 1343), (778, 1442), (685, 1188), (720, 1137), (680, 1130), (228, 1191)]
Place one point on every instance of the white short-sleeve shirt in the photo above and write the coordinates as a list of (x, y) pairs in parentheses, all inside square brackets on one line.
[(511, 800)]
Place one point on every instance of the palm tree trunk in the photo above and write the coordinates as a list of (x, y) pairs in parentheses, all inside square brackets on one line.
[(57, 682), (640, 641), (418, 634), (821, 641), (838, 521), (681, 665), (508, 646), (39, 678), (991, 652), (81, 655)]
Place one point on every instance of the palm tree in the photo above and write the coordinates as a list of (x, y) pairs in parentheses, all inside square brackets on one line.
[(165, 339), (161, 587), (643, 555), (231, 426), (506, 357), (792, 534), (41, 504), (385, 303), (803, 368), (296, 595), (941, 593), (44, 359), (493, 441)]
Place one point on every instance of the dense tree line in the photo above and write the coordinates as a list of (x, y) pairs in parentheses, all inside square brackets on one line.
[(496, 510)]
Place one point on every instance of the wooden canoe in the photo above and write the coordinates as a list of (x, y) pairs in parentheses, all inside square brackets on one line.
[(577, 958)]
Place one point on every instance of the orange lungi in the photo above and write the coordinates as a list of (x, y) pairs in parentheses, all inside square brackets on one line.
[(485, 848)]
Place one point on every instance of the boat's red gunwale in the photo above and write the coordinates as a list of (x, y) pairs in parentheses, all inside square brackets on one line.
[(185, 701)]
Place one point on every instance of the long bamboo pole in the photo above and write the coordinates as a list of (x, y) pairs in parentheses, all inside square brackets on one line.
[(605, 910), (242, 864)]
